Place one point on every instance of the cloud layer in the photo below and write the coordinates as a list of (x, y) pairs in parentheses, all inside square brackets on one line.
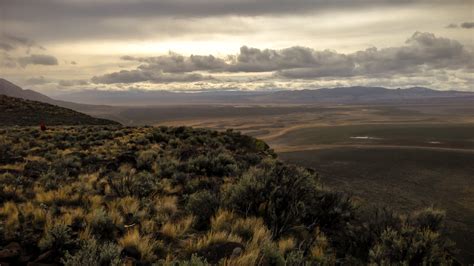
[(11, 46), (421, 54), (235, 44)]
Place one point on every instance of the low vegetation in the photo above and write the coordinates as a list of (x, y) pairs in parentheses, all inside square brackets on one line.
[(108, 195), (21, 112)]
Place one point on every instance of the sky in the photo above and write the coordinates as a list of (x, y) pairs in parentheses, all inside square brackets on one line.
[(62, 46)]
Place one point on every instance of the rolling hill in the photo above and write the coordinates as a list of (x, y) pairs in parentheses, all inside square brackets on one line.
[(21, 112)]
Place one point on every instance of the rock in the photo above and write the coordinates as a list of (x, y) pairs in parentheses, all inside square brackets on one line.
[(129, 261), (47, 256), (10, 252), (40, 264), (215, 252), (131, 252), (236, 252)]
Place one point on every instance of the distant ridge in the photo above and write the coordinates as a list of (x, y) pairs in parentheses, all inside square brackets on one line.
[(22, 112), (9, 89), (101, 102), (341, 95)]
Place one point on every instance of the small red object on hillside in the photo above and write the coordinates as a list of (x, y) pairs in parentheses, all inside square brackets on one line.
[(42, 126)]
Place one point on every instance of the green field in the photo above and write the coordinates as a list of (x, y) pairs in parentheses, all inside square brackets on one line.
[(404, 179)]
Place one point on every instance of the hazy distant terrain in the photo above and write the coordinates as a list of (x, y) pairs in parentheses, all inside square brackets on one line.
[(343, 95), (401, 148)]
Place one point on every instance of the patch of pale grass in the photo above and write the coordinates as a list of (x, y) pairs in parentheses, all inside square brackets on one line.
[(177, 229), (143, 243), (194, 245), (285, 245)]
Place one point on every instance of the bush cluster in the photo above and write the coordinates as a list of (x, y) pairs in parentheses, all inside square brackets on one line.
[(184, 196)]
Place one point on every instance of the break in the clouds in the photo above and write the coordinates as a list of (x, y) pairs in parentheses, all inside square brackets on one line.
[(422, 53), (235, 44)]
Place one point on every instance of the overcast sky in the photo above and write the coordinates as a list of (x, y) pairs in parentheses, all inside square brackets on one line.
[(59, 46)]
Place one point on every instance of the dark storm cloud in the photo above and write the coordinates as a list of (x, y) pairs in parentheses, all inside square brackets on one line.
[(467, 25), (121, 19), (16, 52), (69, 83), (38, 59), (424, 51), (36, 81), (256, 60), (176, 63), (133, 76), (6, 46), (10, 42)]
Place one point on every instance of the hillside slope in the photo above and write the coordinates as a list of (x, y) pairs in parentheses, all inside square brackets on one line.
[(183, 196), (21, 112), (9, 89)]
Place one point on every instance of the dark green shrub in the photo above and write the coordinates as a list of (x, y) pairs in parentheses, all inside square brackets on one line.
[(295, 258), (146, 159), (142, 184), (287, 196), (102, 225), (93, 253), (58, 239), (34, 169), (270, 255), (410, 246), (203, 205)]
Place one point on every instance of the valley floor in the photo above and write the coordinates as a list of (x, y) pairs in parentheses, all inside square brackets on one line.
[(400, 156)]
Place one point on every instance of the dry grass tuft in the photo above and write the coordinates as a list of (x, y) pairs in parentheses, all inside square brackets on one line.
[(177, 229), (143, 243)]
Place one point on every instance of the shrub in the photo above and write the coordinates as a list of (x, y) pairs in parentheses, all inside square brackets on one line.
[(202, 205), (286, 196), (142, 184), (410, 246), (101, 224), (270, 255), (93, 253), (146, 159), (58, 238), (295, 258), (193, 261)]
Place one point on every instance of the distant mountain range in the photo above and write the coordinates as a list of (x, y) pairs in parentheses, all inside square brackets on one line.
[(94, 100), (344, 95), (135, 106), (22, 112)]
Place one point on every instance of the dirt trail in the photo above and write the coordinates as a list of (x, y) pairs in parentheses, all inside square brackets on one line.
[(287, 148)]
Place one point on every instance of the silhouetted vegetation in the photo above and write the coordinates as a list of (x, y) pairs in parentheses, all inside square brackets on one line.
[(21, 112), (108, 195)]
